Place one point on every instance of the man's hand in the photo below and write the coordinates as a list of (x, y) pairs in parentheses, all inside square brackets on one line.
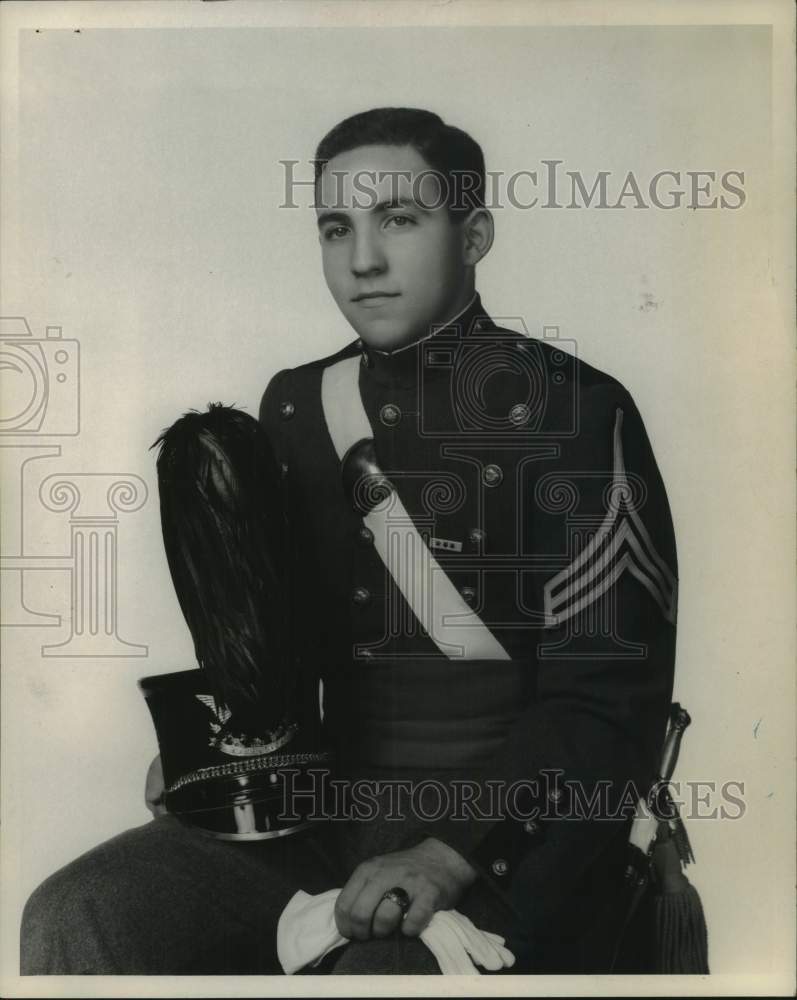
[(154, 788), (433, 874)]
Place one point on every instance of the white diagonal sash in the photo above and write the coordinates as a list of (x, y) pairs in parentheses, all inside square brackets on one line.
[(453, 626)]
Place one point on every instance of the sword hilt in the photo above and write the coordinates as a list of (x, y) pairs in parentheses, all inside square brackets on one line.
[(679, 722)]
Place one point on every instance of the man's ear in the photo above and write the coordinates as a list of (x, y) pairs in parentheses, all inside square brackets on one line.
[(477, 235)]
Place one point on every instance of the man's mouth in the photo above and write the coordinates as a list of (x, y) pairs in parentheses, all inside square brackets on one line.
[(376, 296)]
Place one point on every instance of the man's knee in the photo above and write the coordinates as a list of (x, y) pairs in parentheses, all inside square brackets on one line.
[(393, 956), (164, 899), (60, 924), (81, 917)]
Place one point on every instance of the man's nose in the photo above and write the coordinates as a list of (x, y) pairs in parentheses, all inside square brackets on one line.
[(367, 255)]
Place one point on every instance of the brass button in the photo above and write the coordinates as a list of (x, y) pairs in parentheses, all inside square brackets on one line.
[(468, 594), (364, 654), (390, 414), (360, 595), (365, 535), (477, 536), (531, 826), (492, 475), (555, 795), (499, 866), (480, 326), (519, 414), (287, 410)]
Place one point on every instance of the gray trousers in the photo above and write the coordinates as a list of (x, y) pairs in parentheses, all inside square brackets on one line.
[(165, 899)]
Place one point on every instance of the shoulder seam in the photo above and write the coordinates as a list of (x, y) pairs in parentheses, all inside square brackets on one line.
[(349, 350)]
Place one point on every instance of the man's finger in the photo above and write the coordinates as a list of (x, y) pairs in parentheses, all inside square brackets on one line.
[(154, 788), (422, 909), (387, 917), (348, 895), (363, 909)]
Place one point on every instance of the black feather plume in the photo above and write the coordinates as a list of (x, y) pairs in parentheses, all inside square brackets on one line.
[(223, 530)]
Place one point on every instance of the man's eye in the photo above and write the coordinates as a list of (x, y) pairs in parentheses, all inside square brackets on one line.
[(400, 221), (335, 232)]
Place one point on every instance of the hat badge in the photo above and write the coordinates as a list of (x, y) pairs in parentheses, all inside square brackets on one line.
[(241, 745)]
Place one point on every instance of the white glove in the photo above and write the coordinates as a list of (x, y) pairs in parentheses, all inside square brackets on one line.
[(307, 931), (454, 940)]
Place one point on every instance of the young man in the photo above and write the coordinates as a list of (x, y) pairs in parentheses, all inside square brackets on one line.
[(484, 578), (523, 481)]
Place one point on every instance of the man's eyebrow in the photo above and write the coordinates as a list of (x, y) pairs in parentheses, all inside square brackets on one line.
[(389, 203), (386, 205), (326, 217)]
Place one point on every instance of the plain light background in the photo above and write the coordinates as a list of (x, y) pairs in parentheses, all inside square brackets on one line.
[(146, 224)]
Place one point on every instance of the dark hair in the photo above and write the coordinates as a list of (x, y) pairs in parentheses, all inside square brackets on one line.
[(448, 150)]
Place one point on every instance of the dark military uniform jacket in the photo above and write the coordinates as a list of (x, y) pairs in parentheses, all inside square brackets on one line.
[(530, 477)]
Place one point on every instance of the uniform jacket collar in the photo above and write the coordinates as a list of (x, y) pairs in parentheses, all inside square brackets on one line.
[(402, 367)]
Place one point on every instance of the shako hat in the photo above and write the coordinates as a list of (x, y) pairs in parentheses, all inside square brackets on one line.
[(230, 732), (231, 784)]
